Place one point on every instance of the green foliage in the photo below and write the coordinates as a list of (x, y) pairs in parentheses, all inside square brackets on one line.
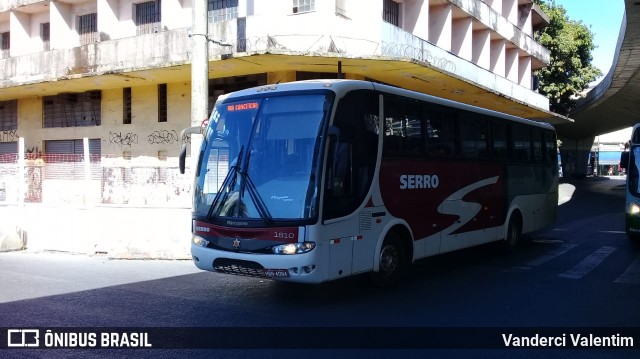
[(570, 71)]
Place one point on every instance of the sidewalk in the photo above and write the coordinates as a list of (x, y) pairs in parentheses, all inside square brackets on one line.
[(122, 231), (118, 232)]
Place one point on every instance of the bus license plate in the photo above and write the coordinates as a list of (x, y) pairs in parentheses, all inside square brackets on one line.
[(276, 273)]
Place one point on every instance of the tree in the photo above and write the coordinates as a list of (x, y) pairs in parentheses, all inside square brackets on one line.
[(570, 70)]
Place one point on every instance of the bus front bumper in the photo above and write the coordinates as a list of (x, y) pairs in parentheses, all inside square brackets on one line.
[(632, 224), (301, 268)]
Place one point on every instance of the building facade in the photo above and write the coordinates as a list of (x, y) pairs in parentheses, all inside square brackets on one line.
[(111, 78)]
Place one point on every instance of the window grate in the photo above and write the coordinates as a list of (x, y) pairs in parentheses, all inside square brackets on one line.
[(72, 110), (5, 44), (148, 17), (220, 10), (162, 103), (391, 12), (300, 6), (126, 105), (88, 28), (8, 115), (45, 36)]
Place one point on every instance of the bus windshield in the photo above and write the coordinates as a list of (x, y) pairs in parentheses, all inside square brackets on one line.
[(260, 159)]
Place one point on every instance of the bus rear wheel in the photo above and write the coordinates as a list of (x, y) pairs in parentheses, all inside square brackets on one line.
[(392, 262)]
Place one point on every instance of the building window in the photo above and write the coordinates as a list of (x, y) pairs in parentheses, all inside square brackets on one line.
[(147, 17), (72, 109), (5, 44), (45, 35), (126, 106), (8, 115), (162, 103), (88, 28), (391, 12), (220, 10), (303, 6)]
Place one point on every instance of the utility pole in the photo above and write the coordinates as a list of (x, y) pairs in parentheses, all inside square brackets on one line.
[(199, 74)]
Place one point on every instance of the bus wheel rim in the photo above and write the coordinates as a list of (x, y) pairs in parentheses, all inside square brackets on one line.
[(389, 259)]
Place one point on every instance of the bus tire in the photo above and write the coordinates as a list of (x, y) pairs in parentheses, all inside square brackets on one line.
[(514, 232), (392, 261)]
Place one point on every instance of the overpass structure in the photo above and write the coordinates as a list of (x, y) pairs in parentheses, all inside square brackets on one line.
[(613, 104)]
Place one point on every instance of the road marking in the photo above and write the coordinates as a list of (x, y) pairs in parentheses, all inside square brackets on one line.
[(631, 275), (589, 263), (547, 241), (547, 257)]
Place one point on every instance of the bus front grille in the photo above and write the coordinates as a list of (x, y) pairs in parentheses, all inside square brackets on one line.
[(239, 267)]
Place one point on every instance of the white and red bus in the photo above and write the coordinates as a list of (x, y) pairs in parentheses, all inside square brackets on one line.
[(630, 161), (318, 180)]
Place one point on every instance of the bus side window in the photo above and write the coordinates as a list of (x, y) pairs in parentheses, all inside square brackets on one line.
[(537, 145), (474, 136), (403, 126), (521, 136), (499, 140)]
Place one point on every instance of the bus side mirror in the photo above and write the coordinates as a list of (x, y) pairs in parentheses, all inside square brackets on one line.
[(624, 160), (182, 157)]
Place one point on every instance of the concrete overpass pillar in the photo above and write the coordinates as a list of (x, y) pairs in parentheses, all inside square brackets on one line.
[(575, 156)]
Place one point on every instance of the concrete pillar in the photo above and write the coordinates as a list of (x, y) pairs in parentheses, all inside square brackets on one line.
[(481, 55), (575, 156), (440, 21), (498, 49), (108, 19), (199, 74), (416, 18), (19, 26), (511, 65), (462, 38), (495, 5), (60, 26), (510, 10), (524, 71), (525, 19)]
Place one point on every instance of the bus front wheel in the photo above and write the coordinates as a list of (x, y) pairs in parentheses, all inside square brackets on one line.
[(392, 261), (514, 231)]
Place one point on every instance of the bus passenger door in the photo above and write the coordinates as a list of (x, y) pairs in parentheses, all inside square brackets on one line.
[(350, 169)]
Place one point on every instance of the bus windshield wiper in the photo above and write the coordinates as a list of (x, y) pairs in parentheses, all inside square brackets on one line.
[(229, 182), (253, 191)]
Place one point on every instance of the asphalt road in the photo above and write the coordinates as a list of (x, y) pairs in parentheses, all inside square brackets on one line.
[(579, 275)]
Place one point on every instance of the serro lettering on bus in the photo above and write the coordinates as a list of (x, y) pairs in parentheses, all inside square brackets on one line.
[(419, 181)]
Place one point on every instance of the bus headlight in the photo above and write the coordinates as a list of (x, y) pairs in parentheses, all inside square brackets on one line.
[(634, 209), (294, 248), (199, 241)]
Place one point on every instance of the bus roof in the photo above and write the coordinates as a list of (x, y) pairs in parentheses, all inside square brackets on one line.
[(341, 86)]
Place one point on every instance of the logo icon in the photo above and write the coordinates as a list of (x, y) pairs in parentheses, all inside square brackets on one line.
[(23, 338), (236, 243)]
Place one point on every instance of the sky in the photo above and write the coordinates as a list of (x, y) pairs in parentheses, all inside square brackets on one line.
[(603, 17)]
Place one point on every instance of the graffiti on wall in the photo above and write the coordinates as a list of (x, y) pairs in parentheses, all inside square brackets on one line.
[(120, 139), (8, 136), (163, 137)]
